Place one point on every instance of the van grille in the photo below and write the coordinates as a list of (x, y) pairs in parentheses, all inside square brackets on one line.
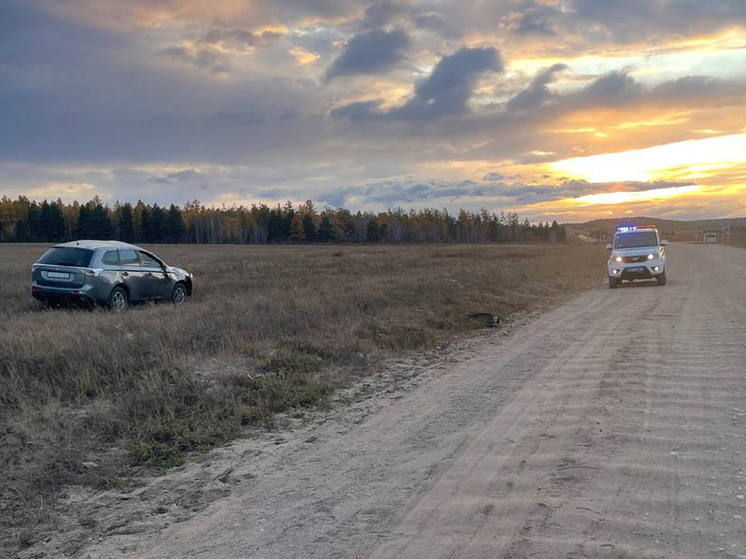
[(631, 259)]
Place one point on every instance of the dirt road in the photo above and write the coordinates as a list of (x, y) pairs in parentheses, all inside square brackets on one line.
[(612, 426)]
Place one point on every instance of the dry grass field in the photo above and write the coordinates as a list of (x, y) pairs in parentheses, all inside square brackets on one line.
[(92, 397)]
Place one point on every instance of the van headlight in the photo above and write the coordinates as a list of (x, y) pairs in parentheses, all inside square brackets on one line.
[(652, 256), (618, 259)]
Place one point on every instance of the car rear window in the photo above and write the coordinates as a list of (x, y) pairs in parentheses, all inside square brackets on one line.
[(128, 257), (638, 239), (111, 257), (67, 256)]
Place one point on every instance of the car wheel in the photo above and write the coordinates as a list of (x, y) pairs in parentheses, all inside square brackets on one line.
[(179, 295), (662, 279), (118, 300), (613, 283)]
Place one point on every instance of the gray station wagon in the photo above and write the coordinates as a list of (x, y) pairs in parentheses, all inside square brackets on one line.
[(108, 273)]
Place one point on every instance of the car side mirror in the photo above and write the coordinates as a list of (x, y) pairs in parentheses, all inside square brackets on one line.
[(664, 243), (608, 247)]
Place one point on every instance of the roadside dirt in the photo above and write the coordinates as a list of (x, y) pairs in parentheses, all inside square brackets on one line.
[(611, 426)]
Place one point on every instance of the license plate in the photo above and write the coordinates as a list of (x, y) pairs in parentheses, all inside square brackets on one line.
[(58, 275), (635, 270)]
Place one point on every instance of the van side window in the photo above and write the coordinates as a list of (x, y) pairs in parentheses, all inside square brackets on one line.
[(111, 257), (128, 257)]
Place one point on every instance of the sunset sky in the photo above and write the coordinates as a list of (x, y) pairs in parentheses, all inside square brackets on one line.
[(566, 109)]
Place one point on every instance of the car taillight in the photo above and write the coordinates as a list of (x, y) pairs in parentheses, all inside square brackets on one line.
[(93, 272)]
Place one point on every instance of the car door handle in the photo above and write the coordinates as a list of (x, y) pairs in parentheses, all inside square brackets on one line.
[(149, 275), (125, 274)]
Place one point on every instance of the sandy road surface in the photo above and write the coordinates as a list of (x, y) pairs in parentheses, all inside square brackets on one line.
[(613, 426)]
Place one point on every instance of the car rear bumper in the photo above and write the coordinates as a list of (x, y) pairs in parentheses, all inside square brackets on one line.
[(62, 295)]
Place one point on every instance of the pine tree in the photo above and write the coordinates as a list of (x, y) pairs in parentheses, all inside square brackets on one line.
[(276, 227), (372, 231), (309, 229), (288, 214), (126, 223), (174, 224), (57, 225), (101, 227), (346, 223), (22, 234), (146, 225), (84, 229), (383, 231), (33, 224), (297, 233), (158, 223), (326, 229)]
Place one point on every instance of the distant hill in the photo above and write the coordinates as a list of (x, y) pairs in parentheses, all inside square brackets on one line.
[(667, 225)]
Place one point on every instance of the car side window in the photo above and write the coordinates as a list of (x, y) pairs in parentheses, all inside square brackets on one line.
[(148, 261), (111, 258), (128, 257)]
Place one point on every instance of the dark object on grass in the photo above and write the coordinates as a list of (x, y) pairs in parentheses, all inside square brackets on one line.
[(492, 320)]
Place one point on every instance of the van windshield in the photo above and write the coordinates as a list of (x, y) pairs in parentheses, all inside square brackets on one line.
[(67, 256), (637, 239)]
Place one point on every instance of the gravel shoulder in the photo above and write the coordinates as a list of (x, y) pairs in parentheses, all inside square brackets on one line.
[(610, 426)]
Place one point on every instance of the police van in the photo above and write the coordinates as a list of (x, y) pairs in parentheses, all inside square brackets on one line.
[(637, 253)]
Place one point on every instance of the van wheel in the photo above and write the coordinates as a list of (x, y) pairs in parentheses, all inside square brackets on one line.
[(614, 282), (118, 299), (179, 295), (662, 279)]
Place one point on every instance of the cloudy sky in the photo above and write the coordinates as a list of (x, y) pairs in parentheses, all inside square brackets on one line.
[(567, 109)]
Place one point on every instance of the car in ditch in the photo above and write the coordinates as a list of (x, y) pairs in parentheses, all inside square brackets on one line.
[(637, 253), (107, 273)]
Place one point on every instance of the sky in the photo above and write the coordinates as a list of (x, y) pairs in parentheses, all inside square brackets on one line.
[(555, 109)]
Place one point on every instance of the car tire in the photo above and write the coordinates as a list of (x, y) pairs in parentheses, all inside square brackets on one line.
[(614, 282), (662, 279), (118, 300), (179, 294)]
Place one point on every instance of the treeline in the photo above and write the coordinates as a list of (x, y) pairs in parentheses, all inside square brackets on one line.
[(23, 220)]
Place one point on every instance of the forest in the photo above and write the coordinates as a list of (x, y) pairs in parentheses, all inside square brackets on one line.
[(24, 220)]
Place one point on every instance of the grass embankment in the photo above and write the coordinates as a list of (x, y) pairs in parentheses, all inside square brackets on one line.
[(738, 238), (88, 395)]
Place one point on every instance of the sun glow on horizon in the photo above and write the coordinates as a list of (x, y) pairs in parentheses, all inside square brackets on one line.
[(636, 196), (677, 161)]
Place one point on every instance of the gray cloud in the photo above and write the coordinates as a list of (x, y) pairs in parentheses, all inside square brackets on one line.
[(631, 20), (445, 92), (206, 59), (537, 92), (381, 13), (358, 111), (208, 52), (186, 176), (613, 88), (392, 193), (373, 52), (603, 22), (493, 177), (536, 20), (238, 38)]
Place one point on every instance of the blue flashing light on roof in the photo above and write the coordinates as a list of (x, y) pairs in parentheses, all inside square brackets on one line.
[(626, 229)]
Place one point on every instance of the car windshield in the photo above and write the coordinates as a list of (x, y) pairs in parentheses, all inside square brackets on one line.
[(636, 239), (67, 256)]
